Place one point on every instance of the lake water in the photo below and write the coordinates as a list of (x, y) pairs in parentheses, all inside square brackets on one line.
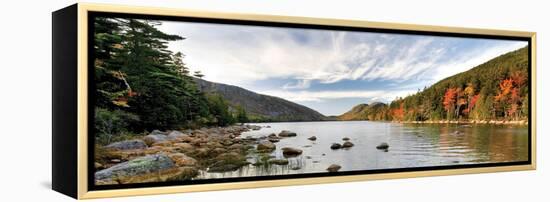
[(411, 145)]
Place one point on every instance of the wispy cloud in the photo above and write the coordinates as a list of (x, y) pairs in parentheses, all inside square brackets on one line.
[(320, 96), (307, 61)]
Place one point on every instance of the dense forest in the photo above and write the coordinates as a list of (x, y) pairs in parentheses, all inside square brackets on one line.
[(495, 90), (141, 85)]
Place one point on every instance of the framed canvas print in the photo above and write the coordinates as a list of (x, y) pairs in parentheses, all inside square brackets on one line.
[(153, 100)]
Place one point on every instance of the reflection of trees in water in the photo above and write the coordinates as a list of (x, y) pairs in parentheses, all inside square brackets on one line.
[(295, 165), (472, 143)]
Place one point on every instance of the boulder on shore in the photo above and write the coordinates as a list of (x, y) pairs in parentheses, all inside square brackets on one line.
[(312, 138), (177, 135), (154, 137), (335, 146), (383, 145), (290, 152), (127, 145), (333, 168), (286, 133), (150, 168), (182, 160)]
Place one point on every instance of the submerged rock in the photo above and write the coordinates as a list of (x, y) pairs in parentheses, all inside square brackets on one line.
[(127, 145), (286, 133), (383, 146), (290, 152), (266, 146), (345, 138), (312, 138), (347, 145), (458, 132), (335, 146), (231, 161), (278, 161), (334, 168)]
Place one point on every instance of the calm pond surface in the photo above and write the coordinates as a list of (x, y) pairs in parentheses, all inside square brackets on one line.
[(411, 145)]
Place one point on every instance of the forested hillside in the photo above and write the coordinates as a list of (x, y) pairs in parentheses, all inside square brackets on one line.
[(260, 108), (495, 90), (374, 111), (141, 85)]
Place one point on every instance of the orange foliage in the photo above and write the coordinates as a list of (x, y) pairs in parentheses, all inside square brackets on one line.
[(519, 78), (506, 86), (399, 113), (449, 99)]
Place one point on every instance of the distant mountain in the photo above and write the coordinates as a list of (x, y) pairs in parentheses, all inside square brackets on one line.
[(374, 111), (261, 107)]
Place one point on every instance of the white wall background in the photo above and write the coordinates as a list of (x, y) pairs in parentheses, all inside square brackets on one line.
[(25, 101)]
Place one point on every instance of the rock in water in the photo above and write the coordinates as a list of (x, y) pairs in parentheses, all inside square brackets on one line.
[(383, 146), (347, 145), (335, 146), (278, 161), (274, 139), (286, 133), (150, 168), (290, 152), (231, 161), (127, 145), (265, 146), (333, 168), (345, 138), (253, 127), (312, 138)]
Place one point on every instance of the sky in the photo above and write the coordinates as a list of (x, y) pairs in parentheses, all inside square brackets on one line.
[(328, 71)]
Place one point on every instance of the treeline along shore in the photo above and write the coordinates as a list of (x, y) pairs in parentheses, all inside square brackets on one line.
[(496, 91)]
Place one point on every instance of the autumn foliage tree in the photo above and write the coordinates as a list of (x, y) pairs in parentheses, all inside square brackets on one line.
[(495, 90)]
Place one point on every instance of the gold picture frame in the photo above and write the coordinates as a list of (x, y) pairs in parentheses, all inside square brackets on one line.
[(78, 187)]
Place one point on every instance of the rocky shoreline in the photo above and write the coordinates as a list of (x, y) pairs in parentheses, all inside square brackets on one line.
[(181, 155)]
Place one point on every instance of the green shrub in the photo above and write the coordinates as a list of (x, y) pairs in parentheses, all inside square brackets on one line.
[(111, 124)]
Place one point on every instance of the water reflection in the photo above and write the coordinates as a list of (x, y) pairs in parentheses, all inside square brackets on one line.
[(411, 145)]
